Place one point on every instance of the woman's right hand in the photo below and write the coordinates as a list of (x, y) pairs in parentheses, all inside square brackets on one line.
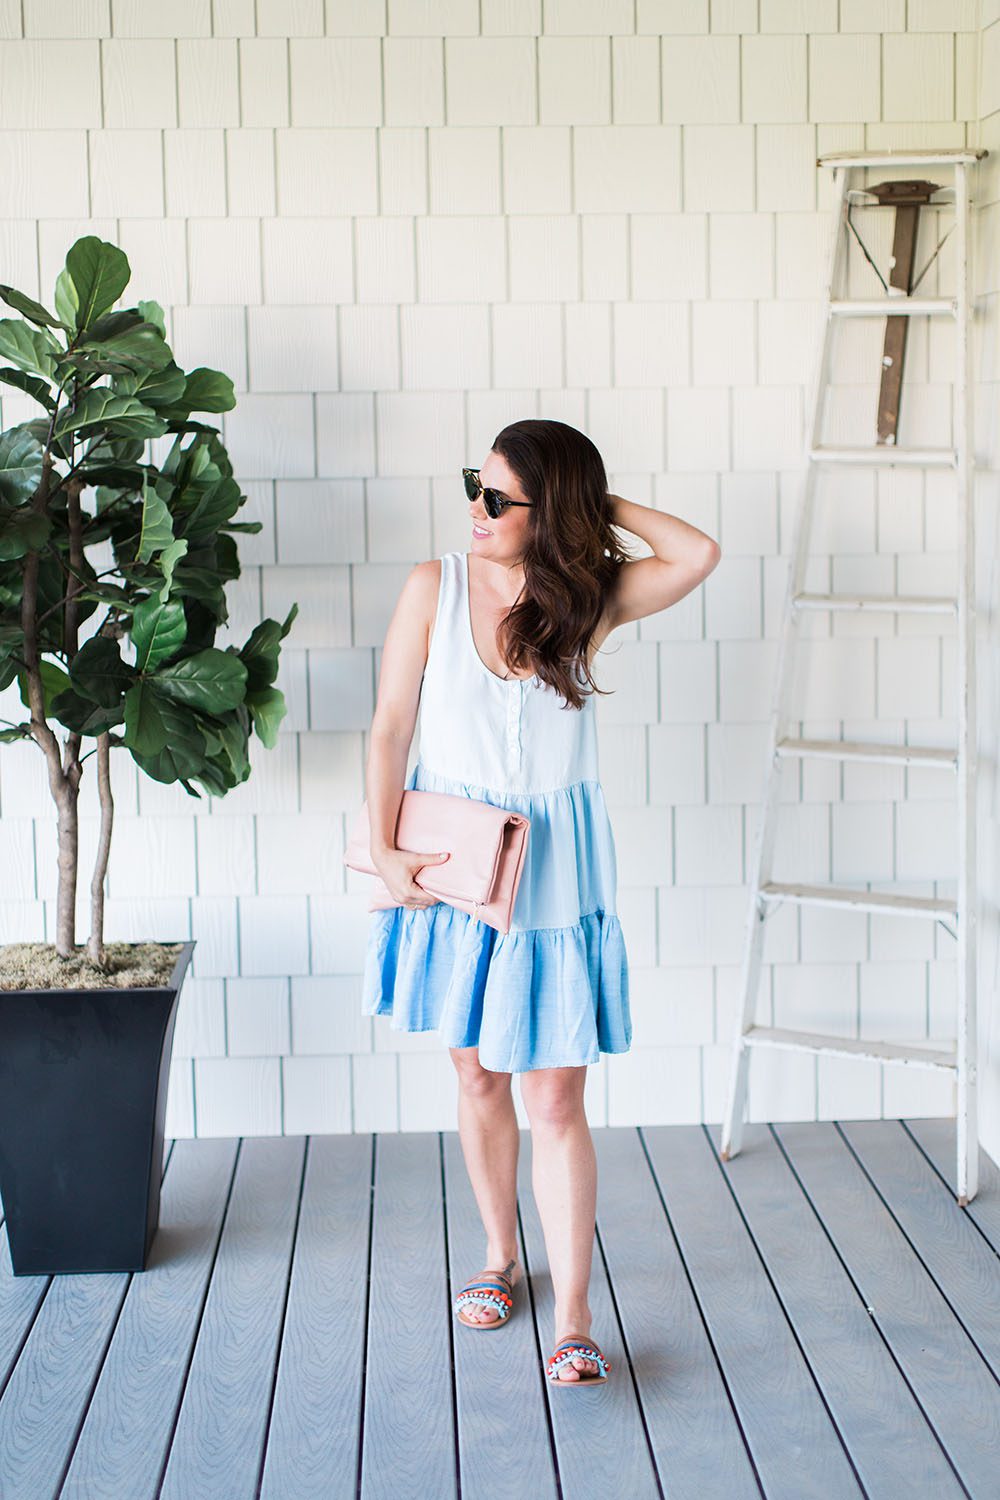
[(397, 867)]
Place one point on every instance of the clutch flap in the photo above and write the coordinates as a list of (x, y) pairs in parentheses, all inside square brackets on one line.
[(472, 832)]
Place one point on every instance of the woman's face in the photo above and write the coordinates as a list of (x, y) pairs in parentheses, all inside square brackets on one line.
[(506, 537)]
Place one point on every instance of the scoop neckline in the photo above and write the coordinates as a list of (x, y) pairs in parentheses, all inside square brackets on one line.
[(504, 681)]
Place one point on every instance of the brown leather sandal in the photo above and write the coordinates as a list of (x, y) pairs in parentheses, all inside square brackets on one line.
[(491, 1289), (570, 1347)]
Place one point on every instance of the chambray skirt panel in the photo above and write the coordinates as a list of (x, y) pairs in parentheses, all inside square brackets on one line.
[(551, 992)]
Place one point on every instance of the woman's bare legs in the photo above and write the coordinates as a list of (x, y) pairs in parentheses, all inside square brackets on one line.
[(564, 1178), (487, 1127)]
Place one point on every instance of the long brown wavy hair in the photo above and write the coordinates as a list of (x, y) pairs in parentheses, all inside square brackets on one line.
[(571, 557)]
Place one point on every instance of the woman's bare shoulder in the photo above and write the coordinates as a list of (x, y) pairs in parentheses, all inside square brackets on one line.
[(421, 591)]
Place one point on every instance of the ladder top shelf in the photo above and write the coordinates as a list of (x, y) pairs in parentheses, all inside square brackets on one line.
[(916, 158)]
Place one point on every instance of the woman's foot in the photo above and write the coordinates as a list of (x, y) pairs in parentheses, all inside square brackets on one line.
[(482, 1312), (576, 1367)]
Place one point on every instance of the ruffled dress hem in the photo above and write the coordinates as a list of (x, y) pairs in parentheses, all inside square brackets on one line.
[(548, 997)]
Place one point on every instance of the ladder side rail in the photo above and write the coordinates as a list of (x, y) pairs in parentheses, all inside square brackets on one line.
[(732, 1125), (966, 1122)]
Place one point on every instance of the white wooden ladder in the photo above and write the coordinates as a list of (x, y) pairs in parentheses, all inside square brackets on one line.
[(765, 892)]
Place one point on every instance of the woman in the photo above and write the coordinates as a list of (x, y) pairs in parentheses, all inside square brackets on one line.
[(495, 646)]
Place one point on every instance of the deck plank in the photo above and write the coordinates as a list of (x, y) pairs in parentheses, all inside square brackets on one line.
[(964, 1266), (48, 1391), (817, 1317), (943, 1367), (496, 1370), (794, 1445), (409, 1416), (126, 1435), (690, 1418), (218, 1442), (884, 1429), (53, 1361), (312, 1445), (936, 1139), (600, 1439)]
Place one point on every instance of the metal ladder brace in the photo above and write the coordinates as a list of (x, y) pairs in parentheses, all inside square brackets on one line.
[(961, 1060)]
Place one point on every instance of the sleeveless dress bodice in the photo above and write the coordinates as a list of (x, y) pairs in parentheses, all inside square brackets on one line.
[(517, 735), (553, 991)]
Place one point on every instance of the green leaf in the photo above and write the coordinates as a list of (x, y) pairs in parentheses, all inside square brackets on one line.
[(208, 390), (267, 709), (169, 558), (66, 299), (31, 349), (232, 762), (81, 716), (158, 631), (33, 385), (38, 428), (106, 593), (180, 425), (122, 339), (157, 527), (182, 754), (123, 415), (20, 465), (99, 273), (16, 732), (260, 654), (203, 584), (145, 729), (162, 387), (28, 307), (10, 637), (217, 503), (211, 680), (119, 477), (22, 531), (98, 673), (54, 680), (152, 312)]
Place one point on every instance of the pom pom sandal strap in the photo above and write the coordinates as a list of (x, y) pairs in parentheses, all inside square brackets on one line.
[(493, 1289), (568, 1349)]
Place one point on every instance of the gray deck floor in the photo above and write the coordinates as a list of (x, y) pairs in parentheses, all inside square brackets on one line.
[(817, 1317)]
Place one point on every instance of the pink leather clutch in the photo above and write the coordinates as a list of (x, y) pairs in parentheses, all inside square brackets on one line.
[(487, 846)]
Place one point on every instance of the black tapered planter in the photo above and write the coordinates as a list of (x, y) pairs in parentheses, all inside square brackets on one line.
[(83, 1094)]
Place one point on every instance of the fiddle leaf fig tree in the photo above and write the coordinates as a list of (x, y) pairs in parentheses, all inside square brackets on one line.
[(76, 487)]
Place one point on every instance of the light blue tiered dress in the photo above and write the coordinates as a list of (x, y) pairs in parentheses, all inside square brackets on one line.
[(553, 991)]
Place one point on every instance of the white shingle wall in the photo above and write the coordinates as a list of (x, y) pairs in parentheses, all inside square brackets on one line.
[(398, 227)]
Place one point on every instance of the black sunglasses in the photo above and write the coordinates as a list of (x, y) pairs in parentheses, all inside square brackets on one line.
[(493, 500)]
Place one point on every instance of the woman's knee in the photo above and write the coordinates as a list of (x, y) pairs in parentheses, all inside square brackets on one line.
[(553, 1096), (475, 1080)]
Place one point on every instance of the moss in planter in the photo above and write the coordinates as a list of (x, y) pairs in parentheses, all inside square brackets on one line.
[(37, 966)]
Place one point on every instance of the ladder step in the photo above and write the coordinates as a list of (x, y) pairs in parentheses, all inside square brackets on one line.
[(885, 453), (924, 604), (859, 900), (814, 1041), (915, 158), (906, 755), (880, 307)]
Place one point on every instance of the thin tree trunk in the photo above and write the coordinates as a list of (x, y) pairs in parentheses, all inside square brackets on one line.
[(69, 827), (95, 946), (64, 784)]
